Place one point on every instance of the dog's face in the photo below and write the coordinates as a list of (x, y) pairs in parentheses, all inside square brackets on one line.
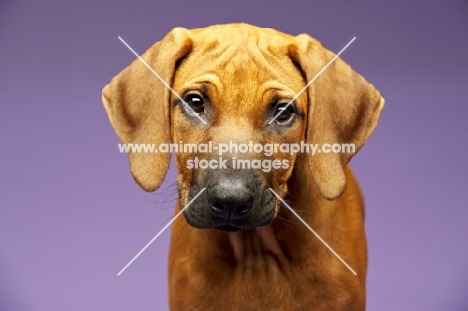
[(237, 78), (237, 88)]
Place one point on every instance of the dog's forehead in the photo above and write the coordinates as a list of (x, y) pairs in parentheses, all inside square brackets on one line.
[(222, 45), (239, 57)]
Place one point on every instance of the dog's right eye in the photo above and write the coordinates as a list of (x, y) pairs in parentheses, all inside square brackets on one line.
[(195, 102)]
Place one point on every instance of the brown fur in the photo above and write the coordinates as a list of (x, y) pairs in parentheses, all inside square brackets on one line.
[(281, 266)]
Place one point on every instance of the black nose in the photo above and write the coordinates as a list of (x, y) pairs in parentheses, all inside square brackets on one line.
[(231, 198)]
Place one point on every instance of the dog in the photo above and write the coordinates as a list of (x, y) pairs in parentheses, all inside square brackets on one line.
[(238, 247)]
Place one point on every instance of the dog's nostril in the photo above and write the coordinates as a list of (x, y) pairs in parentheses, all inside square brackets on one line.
[(243, 209), (218, 207), (228, 207)]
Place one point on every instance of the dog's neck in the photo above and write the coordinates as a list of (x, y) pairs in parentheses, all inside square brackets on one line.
[(255, 243)]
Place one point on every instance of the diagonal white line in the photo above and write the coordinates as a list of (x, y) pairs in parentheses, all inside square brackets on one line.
[(312, 230), (161, 79), (160, 232), (313, 79)]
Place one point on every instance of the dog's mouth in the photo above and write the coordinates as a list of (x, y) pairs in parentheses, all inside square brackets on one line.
[(198, 219), (228, 228)]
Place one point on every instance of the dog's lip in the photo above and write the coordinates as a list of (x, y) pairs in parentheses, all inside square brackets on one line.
[(197, 220), (232, 227), (228, 228)]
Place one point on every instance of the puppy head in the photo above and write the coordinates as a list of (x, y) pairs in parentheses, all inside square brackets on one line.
[(237, 78)]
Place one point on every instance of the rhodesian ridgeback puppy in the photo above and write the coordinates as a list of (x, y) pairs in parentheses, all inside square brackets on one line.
[(237, 246)]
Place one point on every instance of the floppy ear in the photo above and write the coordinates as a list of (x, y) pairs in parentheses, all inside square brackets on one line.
[(137, 104), (343, 109)]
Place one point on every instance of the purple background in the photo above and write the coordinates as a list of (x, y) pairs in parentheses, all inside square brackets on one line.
[(71, 216)]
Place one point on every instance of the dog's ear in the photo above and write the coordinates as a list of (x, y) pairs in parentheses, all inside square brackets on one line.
[(137, 104), (343, 109)]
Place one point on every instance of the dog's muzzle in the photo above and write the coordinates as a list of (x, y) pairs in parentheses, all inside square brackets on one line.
[(234, 199)]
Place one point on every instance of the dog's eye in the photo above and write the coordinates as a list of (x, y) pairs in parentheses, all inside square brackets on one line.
[(286, 110), (196, 102)]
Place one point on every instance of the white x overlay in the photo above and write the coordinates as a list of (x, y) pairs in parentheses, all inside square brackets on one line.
[(274, 118)]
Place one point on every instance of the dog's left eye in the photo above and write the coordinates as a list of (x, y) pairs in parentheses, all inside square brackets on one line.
[(196, 102), (286, 110)]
